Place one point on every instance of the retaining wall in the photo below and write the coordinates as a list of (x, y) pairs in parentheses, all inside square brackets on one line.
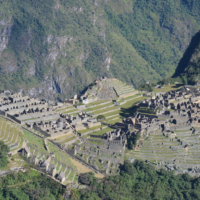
[(14, 118)]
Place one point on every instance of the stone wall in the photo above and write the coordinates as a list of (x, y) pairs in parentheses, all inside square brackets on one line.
[(181, 127), (59, 134), (2, 113), (164, 116), (40, 130), (14, 118)]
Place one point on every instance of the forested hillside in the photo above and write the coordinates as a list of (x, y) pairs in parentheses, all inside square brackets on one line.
[(189, 66), (54, 48), (139, 181)]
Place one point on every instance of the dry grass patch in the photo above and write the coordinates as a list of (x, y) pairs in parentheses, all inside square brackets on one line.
[(83, 169)]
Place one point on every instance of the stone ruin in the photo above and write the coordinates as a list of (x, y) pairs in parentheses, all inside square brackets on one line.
[(46, 163), (20, 108), (105, 154), (178, 119), (66, 124)]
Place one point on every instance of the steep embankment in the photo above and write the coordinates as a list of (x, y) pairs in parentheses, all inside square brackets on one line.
[(54, 48), (189, 66)]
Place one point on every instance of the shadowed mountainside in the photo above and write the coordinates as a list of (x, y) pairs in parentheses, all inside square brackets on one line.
[(189, 65)]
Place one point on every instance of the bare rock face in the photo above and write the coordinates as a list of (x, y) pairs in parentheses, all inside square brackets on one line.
[(31, 70), (108, 62), (9, 66), (5, 32), (56, 47), (50, 86)]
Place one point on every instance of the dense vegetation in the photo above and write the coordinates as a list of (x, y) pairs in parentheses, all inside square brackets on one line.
[(3, 155), (145, 87), (143, 39), (188, 70), (29, 185), (139, 181), (132, 140)]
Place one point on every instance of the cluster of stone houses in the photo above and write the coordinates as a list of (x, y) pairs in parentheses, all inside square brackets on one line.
[(178, 111), (66, 124), (105, 154), (41, 116), (21, 108), (166, 99), (175, 109), (47, 163)]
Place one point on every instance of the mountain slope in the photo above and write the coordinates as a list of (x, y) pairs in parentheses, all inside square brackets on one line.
[(189, 66), (54, 48)]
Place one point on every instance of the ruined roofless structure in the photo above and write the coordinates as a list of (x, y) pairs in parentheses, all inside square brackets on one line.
[(16, 106)]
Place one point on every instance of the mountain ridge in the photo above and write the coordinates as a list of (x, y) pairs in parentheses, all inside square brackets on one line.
[(54, 49)]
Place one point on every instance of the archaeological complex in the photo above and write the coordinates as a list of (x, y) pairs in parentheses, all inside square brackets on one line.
[(48, 136)]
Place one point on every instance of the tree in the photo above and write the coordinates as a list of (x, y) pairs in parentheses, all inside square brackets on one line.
[(132, 140), (3, 154), (145, 87), (101, 118)]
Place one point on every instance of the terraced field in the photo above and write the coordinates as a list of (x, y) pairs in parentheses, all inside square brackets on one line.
[(63, 163), (63, 140), (11, 134), (36, 142), (167, 88), (121, 88), (157, 148)]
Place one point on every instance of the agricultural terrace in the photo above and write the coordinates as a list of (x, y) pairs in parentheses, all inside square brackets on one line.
[(168, 88), (156, 148), (11, 134), (36, 142)]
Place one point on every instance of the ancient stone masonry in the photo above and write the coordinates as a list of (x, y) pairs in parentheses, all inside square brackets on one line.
[(173, 116), (47, 163), (177, 118), (160, 102), (104, 154), (66, 124), (21, 108), (104, 88)]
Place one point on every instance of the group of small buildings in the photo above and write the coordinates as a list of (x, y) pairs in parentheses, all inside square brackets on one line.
[(46, 163), (176, 116), (66, 124), (23, 109), (174, 110), (105, 153)]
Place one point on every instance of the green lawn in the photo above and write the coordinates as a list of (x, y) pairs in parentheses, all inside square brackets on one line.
[(98, 107), (34, 140), (98, 143), (70, 111), (89, 129), (96, 103), (168, 88), (106, 110), (101, 132), (60, 155)]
